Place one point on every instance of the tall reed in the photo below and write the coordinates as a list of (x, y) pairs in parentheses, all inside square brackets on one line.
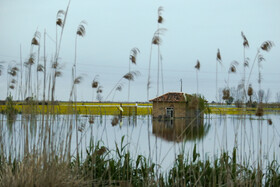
[(94, 84), (245, 64), (60, 22), (197, 67), (160, 21), (218, 60), (81, 31), (156, 40)]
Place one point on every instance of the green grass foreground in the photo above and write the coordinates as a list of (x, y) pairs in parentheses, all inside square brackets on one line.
[(103, 167)]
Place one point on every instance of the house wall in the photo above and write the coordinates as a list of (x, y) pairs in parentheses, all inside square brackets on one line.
[(159, 109), (180, 110)]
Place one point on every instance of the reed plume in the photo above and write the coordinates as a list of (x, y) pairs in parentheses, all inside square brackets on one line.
[(197, 67), (133, 55), (115, 121), (59, 17), (259, 111), (118, 88), (58, 74), (160, 18), (128, 76), (99, 89), (40, 68), (36, 42), (250, 93), (218, 60), (36, 39), (226, 94), (132, 59), (94, 84), (245, 41), (232, 69), (91, 120), (81, 31), (265, 46), (131, 75), (77, 80), (12, 72), (250, 90)]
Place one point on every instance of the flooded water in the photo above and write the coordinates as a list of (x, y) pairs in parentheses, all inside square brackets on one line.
[(255, 138)]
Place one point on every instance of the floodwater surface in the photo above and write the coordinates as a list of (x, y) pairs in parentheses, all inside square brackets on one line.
[(256, 139)]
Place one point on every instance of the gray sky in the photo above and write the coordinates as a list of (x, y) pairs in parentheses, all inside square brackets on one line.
[(195, 30)]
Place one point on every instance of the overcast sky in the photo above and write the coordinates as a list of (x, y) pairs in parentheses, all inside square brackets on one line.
[(195, 30)]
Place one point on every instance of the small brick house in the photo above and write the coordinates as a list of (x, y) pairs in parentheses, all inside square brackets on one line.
[(176, 105)]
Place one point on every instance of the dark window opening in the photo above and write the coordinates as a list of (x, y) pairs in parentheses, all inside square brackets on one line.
[(169, 112)]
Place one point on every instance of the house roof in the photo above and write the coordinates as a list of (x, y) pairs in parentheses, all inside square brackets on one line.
[(171, 97)]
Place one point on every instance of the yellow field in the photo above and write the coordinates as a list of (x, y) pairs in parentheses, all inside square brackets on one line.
[(239, 111), (112, 108), (86, 108)]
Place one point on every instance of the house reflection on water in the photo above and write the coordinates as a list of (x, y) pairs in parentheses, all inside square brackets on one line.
[(179, 116), (180, 129)]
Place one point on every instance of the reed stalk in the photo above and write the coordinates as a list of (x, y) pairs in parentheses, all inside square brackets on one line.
[(132, 59), (218, 60)]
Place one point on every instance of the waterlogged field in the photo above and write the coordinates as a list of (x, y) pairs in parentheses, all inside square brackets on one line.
[(257, 140)]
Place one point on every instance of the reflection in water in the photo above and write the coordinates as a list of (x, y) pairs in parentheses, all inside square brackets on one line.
[(11, 119), (180, 129)]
